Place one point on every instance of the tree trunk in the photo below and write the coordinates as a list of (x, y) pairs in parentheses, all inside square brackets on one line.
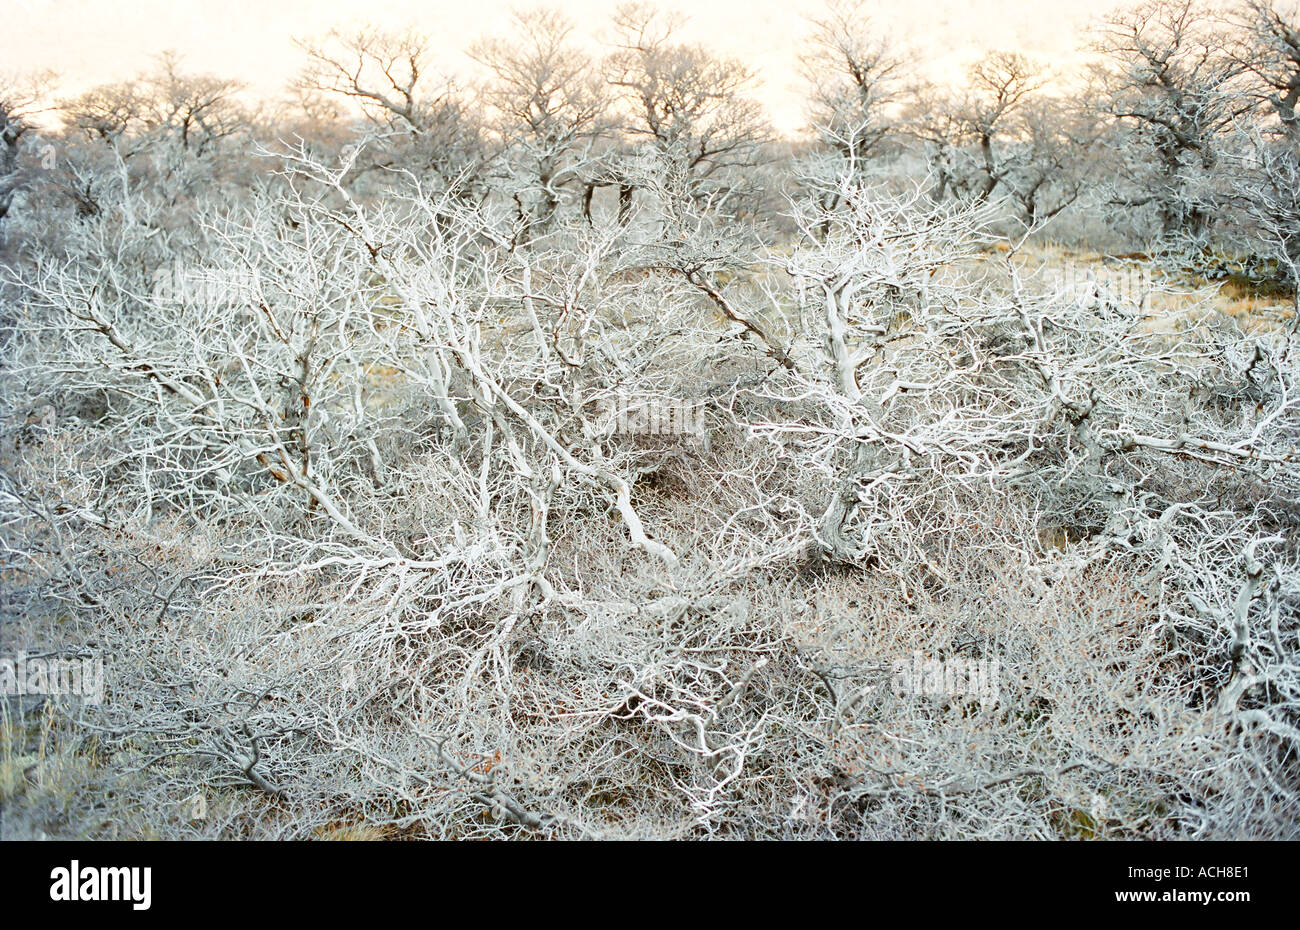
[(624, 203)]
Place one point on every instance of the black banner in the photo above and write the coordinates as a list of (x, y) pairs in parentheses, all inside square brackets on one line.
[(259, 880)]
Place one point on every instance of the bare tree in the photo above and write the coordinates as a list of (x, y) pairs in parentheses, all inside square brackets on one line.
[(437, 128), (191, 114), (1263, 198), (196, 111), (999, 86), (855, 77), (688, 106), (932, 117), (20, 100), (1271, 54), (969, 136), (1263, 164), (550, 106), (1174, 88), (1052, 158), (106, 112)]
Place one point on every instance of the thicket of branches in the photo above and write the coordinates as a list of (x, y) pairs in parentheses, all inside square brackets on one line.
[(567, 457)]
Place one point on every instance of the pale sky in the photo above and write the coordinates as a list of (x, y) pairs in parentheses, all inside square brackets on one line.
[(89, 42)]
